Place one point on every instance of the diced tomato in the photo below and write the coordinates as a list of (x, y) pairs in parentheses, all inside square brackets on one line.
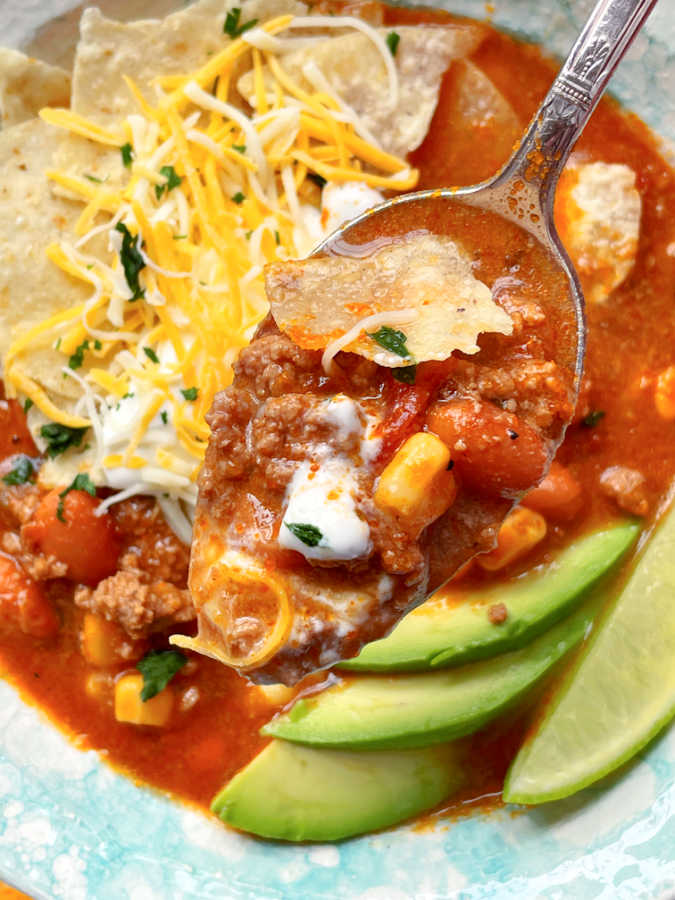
[(14, 434), (406, 405), (23, 603), (494, 452), (88, 544)]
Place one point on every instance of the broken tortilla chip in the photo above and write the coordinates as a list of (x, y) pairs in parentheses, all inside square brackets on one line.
[(32, 216), (26, 85), (151, 48), (411, 301), (351, 67)]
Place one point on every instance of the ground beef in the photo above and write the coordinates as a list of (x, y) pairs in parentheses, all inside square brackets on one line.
[(149, 545), (535, 390), (149, 591), (273, 365), (139, 608), (627, 487)]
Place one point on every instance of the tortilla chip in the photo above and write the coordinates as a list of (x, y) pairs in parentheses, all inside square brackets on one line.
[(598, 210), (318, 300), (32, 216), (353, 67), (150, 48), (26, 85)]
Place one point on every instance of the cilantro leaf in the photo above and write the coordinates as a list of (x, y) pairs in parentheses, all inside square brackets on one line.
[(77, 358), (22, 471), (93, 178), (240, 148), (239, 198), (81, 482), (132, 261), (172, 181), (393, 39), (150, 353), (277, 238), (391, 339), (165, 416), (127, 155), (158, 668), (318, 180), (27, 405), (190, 393), (60, 437), (232, 26), (593, 417), (405, 374), (308, 534)]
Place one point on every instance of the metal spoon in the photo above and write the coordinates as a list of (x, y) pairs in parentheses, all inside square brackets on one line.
[(524, 189), (523, 192)]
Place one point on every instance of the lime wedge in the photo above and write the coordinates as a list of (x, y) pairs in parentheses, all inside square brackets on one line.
[(619, 693)]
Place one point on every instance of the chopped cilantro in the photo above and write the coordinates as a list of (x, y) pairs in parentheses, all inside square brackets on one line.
[(94, 178), (172, 181), (232, 26), (81, 482), (165, 417), (318, 180), (57, 344), (179, 237), (150, 353), (593, 417), (248, 234), (60, 437), (97, 344), (127, 155), (240, 148), (158, 668), (277, 238), (22, 471), (405, 374), (27, 405), (77, 358), (238, 198), (132, 261), (391, 339), (190, 393), (308, 534), (393, 39)]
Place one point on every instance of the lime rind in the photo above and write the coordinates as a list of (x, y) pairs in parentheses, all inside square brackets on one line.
[(618, 695)]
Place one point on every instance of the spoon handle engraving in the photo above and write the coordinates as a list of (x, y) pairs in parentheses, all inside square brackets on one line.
[(606, 37)]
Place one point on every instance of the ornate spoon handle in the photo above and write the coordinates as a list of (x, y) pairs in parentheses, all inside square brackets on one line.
[(574, 94)]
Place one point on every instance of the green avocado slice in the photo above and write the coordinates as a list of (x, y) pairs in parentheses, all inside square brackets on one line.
[(377, 712), (435, 635), (295, 793)]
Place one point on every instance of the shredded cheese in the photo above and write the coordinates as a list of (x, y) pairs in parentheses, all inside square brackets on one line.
[(212, 195)]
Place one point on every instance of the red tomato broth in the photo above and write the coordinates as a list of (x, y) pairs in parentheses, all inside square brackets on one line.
[(629, 342)]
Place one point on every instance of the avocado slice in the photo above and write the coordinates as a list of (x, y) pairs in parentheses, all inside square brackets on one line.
[(436, 634), (377, 712), (295, 793)]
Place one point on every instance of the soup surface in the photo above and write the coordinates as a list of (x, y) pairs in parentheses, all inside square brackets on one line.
[(617, 457)]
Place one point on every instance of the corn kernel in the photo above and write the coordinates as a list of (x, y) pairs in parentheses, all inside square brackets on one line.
[(664, 393), (406, 482), (100, 641), (520, 532), (130, 708), (276, 694)]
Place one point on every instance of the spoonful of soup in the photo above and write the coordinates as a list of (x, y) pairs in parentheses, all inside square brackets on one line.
[(412, 382)]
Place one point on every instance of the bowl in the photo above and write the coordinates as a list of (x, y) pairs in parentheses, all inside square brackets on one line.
[(71, 827)]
